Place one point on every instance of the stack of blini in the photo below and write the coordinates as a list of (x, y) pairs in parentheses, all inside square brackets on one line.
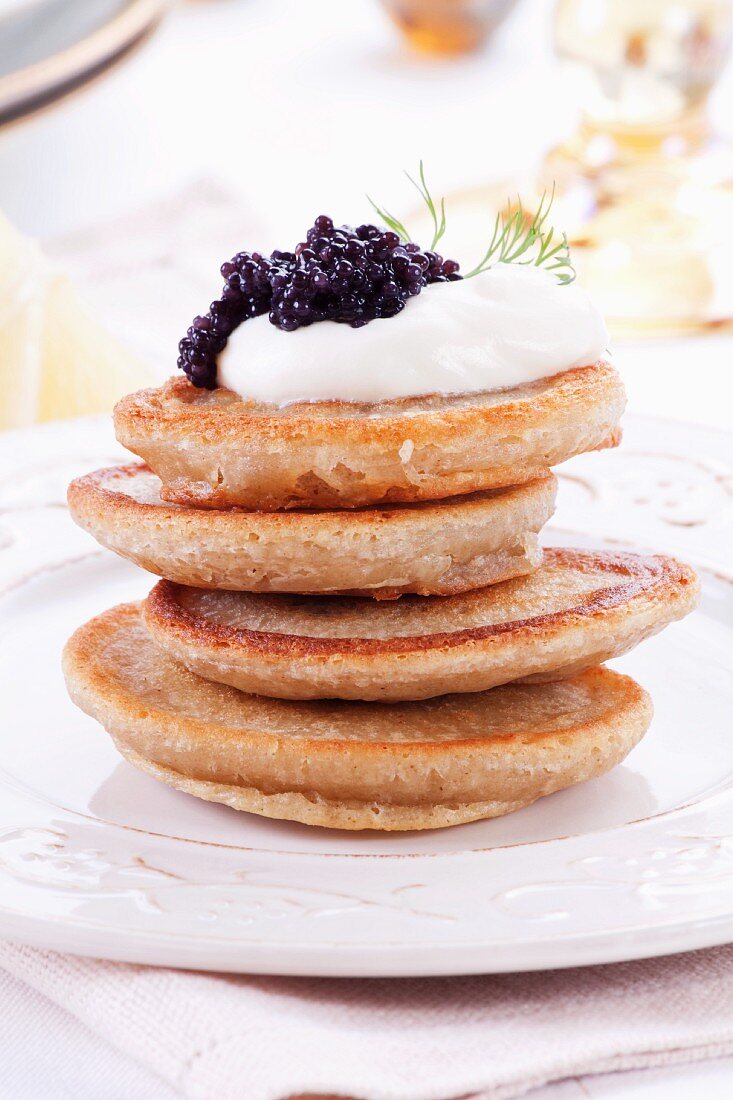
[(357, 628)]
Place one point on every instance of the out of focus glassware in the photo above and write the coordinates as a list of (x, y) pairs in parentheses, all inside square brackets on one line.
[(447, 26), (645, 187)]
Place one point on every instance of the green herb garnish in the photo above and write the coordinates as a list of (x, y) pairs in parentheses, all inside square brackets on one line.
[(390, 221), (516, 239)]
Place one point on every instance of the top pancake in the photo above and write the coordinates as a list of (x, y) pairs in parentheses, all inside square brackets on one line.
[(213, 449)]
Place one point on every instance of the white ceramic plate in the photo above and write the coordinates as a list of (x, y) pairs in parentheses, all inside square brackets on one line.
[(48, 47), (98, 859)]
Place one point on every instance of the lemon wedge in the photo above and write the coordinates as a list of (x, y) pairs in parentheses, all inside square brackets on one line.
[(56, 360)]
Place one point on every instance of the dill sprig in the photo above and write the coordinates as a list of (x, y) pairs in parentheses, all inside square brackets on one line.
[(424, 192), (515, 235), (390, 221), (516, 238)]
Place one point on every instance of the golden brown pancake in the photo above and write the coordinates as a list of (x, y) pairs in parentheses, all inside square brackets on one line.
[(349, 765), (213, 449), (428, 548), (578, 609)]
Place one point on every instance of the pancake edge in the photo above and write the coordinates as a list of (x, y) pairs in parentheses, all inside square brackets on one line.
[(601, 746)]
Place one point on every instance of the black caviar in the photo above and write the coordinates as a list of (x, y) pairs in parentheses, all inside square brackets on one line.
[(351, 276)]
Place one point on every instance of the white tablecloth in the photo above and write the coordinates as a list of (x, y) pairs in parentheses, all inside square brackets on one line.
[(493, 1037)]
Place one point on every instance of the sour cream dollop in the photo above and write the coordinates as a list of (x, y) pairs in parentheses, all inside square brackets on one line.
[(510, 325)]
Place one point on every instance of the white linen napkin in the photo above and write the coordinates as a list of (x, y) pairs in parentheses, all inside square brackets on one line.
[(493, 1037)]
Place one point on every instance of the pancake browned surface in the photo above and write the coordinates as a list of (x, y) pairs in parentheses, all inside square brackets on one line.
[(429, 548), (349, 765), (213, 449), (578, 609)]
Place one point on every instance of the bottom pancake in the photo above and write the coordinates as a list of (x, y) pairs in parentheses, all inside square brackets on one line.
[(311, 809), (349, 765)]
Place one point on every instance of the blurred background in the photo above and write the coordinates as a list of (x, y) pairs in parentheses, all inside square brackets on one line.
[(143, 142)]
